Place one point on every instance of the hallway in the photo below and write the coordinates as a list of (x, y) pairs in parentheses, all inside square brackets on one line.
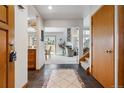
[(40, 78), (64, 46)]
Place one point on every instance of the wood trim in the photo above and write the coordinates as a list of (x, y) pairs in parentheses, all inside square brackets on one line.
[(3, 26), (11, 65), (84, 56), (6, 15), (113, 47), (121, 46)]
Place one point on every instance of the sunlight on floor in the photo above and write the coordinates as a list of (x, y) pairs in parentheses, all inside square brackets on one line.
[(62, 60)]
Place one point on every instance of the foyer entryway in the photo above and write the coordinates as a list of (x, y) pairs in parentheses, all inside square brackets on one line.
[(42, 77)]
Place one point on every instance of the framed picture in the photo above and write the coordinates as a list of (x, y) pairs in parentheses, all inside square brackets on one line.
[(42, 35), (68, 34)]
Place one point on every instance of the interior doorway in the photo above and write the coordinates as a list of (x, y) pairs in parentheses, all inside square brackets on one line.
[(61, 45), (50, 44)]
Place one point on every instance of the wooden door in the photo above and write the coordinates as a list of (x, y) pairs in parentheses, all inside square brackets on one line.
[(6, 36), (103, 46), (31, 59), (121, 46), (3, 53)]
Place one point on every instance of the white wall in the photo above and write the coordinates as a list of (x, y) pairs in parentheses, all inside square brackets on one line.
[(63, 23), (21, 46), (87, 24), (40, 57), (40, 45)]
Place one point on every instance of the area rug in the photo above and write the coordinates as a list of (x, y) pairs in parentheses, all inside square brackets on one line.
[(64, 78)]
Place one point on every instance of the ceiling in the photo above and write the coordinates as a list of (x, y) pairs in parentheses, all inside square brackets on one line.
[(65, 11)]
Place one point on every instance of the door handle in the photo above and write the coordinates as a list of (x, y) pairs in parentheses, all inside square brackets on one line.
[(108, 51), (12, 56)]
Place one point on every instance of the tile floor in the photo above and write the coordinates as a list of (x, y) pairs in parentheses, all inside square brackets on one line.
[(40, 78)]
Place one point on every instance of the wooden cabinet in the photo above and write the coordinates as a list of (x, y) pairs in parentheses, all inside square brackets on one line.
[(31, 58)]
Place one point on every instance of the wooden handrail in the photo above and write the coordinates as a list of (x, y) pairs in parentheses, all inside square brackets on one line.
[(83, 58)]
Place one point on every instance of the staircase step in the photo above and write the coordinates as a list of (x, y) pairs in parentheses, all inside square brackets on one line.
[(86, 55), (85, 65)]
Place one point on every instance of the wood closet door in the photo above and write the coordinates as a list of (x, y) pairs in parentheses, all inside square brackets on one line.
[(6, 36), (103, 46)]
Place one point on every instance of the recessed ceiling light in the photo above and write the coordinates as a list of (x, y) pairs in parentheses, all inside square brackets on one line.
[(50, 7)]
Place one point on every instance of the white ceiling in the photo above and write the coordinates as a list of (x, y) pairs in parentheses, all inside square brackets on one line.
[(65, 11)]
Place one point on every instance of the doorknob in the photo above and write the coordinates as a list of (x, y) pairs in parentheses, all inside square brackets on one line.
[(12, 56), (108, 51)]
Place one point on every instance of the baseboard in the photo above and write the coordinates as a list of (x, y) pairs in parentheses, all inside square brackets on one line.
[(25, 86), (120, 86)]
